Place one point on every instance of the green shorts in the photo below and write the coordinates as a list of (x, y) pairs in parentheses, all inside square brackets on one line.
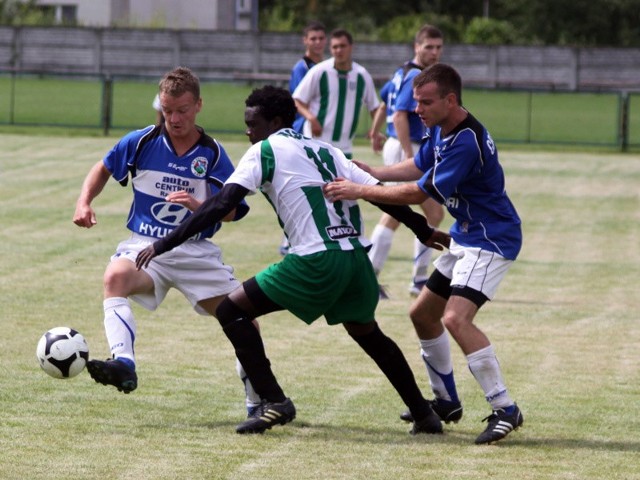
[(340, 285)]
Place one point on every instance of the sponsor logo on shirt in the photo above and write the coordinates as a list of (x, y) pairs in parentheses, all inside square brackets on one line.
[(199, 166), (169, 213), (341, 231), (175, 166)]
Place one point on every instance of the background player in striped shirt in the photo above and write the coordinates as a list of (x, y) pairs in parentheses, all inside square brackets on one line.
[(327, 273), (174, 167), (331, 95), (457, 165)]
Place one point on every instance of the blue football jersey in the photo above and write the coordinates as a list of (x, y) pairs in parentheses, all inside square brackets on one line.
[(157, 171), (298, 72), (399, 97), (462, 172)]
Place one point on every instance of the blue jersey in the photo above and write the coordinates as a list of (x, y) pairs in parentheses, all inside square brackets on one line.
[(298, 72), (463, 173), (156, 171), (400, 98)]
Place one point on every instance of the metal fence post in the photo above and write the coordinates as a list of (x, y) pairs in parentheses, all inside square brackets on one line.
[(624, 121), (107, 96)]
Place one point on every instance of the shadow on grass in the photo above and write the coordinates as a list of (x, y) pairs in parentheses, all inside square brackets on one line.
[(461, 437)]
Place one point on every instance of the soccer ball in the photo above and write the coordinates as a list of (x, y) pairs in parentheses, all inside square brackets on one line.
[(62, 352)]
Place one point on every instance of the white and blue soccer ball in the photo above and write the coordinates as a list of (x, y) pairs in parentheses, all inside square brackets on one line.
[(62, 352)]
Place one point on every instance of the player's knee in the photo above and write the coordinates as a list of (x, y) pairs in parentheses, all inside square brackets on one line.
[(228, 312), (117, 281)]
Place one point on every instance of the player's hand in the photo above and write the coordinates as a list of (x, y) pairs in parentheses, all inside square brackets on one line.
[(316, 127), (84, 216), (145, 256), (377, 141), (438, 240), (342, 189), (185, 199)]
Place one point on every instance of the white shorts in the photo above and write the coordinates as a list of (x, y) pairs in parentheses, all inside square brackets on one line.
[(195, 268), (392, 153), (472, 267)]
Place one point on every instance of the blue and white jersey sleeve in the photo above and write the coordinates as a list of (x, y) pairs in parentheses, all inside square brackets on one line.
[(120, 158)]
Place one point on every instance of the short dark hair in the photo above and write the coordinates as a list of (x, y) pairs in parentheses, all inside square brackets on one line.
[(273, 102), (313, 27), (427, 31), (341, 32), (444, 76)]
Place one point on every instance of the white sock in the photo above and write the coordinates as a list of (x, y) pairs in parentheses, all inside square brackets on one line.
[(436, 354), (253, 399), (120, 327), (485, 368), (421, 260), (381, 238)]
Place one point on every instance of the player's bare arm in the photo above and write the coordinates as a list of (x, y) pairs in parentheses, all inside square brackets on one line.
[(404, 171), (303, 109), (375, 136), (405, 194), (93, 184), (401, 124)]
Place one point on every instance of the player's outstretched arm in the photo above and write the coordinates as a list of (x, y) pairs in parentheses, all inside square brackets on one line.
[(405, 194), (96, 179), (212, 210)]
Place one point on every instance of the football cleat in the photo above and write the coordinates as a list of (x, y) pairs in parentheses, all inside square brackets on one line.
[(501, 422), (446, 410), (268, 415), (113, 372), (430, 424)]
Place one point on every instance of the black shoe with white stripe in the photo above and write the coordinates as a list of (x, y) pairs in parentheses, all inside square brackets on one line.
[(268, 415), (501, 422)]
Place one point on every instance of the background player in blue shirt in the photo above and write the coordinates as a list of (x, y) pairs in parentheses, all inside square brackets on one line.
[(314, 38), (457, 165), (174, 167), (404, 132)]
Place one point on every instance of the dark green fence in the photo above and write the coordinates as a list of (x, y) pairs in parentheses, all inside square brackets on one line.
[(607, 119)]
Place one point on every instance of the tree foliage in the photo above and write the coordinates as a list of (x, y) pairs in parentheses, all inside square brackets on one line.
[(22, 12), (543, 22)]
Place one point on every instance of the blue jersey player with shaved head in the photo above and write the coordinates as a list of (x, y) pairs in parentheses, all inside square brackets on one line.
[(457, 165)]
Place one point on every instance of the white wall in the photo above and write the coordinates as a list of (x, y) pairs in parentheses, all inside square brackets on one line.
[(173, 14)]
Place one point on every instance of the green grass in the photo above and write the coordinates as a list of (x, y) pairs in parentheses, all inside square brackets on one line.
[(564, 324), (577, 119)]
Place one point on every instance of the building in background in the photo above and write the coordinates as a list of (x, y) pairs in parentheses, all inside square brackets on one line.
[(173, 14)]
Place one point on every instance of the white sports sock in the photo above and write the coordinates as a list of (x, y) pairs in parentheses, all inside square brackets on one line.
[(120, 327), (485, 368), (381, 238), (436, 354), (421, 260), (253, 399)]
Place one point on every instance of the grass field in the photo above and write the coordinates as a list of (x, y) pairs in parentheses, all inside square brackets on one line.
[(511, 116), (564, 324)]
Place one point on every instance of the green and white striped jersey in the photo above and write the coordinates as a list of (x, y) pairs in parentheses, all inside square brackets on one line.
[(336, 98), (290, 170)]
